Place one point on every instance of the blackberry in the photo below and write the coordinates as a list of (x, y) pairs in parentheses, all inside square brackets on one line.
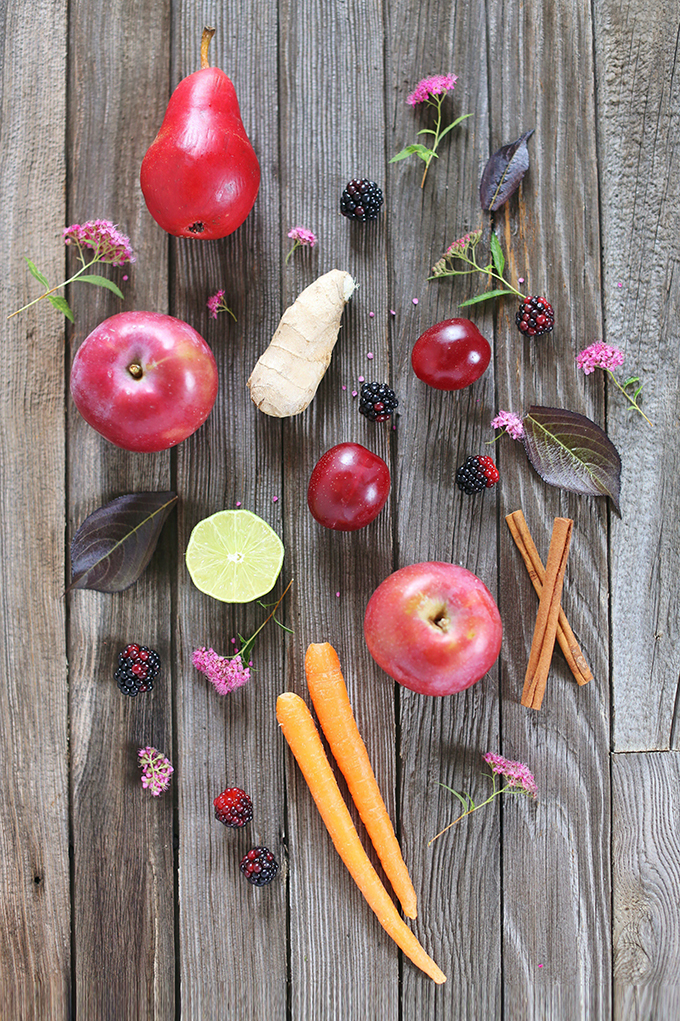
[(233, 807), (535, 316), (476, 473), (259, 866), (377, 401), (137, 669), (361, 200)]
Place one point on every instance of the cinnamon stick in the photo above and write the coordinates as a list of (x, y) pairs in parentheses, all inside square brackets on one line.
[(545, 632), (566, 638)]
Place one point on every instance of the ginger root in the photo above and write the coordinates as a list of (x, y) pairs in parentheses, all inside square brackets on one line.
[(288, 373)]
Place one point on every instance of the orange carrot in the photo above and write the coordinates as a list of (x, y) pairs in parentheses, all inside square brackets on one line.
[(301, 734), (334, 712)]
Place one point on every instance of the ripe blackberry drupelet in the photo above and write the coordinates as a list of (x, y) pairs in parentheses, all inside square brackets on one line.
[(476, 473), (535, 316), (137, 669), (361, 200), (377, 401), (233, 807), (259, 866)]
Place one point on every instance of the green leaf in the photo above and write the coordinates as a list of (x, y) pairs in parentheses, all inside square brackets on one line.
[(454, 125), (497, 253), (427, 131), (571, 452), (62, 305), (88, 278), (414, 150), (484, 297), (35, 272)]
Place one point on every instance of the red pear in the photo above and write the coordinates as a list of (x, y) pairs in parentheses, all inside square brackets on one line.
[(200, 176)]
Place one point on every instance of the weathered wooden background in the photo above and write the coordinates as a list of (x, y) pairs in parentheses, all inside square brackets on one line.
[(117, 905)]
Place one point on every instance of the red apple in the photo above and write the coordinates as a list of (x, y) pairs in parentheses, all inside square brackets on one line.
[(145, 381), (433, 627)]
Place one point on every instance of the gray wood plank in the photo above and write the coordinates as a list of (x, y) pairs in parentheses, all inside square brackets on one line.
[(645, 875), (442, 739), (232, 935), (332, 129), (35, 953), (123, 920), (637, 54), (556, 908)]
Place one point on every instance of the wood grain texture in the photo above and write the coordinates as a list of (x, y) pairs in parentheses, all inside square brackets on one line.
[(123, 914), (34, 859), (232, 936), (556, 911), (342, 964), (150, 917), (645, 876), (637, 60), (442, 739)]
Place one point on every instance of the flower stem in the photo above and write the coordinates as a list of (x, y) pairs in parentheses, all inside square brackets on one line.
[(244, 653), (631, 400), (501, 790), (502, 280), (437, 129), (56, 288), (295, 245)]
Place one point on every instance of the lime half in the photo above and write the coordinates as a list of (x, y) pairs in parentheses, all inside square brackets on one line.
[(234, 556)]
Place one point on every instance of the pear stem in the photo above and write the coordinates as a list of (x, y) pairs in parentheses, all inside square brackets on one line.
[(208, 33)]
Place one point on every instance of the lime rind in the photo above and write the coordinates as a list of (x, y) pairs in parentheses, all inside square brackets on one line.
[(234, 556)]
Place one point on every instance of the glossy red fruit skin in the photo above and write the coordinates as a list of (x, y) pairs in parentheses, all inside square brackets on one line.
[(434, 627), (348, 487), (451, 355), (200, 175), (172, 397)]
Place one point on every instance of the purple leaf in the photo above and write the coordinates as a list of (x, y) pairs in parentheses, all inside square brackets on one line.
[(116, 542), (571, 452), (503, 173)]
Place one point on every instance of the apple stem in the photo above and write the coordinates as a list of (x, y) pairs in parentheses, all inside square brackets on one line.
[(208, 33), (135, 370)]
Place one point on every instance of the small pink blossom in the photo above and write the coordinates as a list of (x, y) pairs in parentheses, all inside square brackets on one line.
[(214, 302), (217, 304), (462, 244), (104, 238), (156, 770), (224, 673), (516, 773), (303, 236), (300, 236), (599, 356), (433, 86), (512, 424)]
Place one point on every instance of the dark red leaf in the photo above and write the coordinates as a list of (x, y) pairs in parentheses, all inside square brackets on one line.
[(116, 542), (503, 173)]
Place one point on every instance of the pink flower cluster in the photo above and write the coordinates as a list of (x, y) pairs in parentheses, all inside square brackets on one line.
[(510, 422), (104, 238), (433, 86), (224, 673), (460, 246), (516, 773), (214, 303), (302, 236), (599, 356), (156, 770)]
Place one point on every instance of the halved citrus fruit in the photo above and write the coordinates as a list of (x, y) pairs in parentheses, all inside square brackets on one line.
[(234, 556)]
